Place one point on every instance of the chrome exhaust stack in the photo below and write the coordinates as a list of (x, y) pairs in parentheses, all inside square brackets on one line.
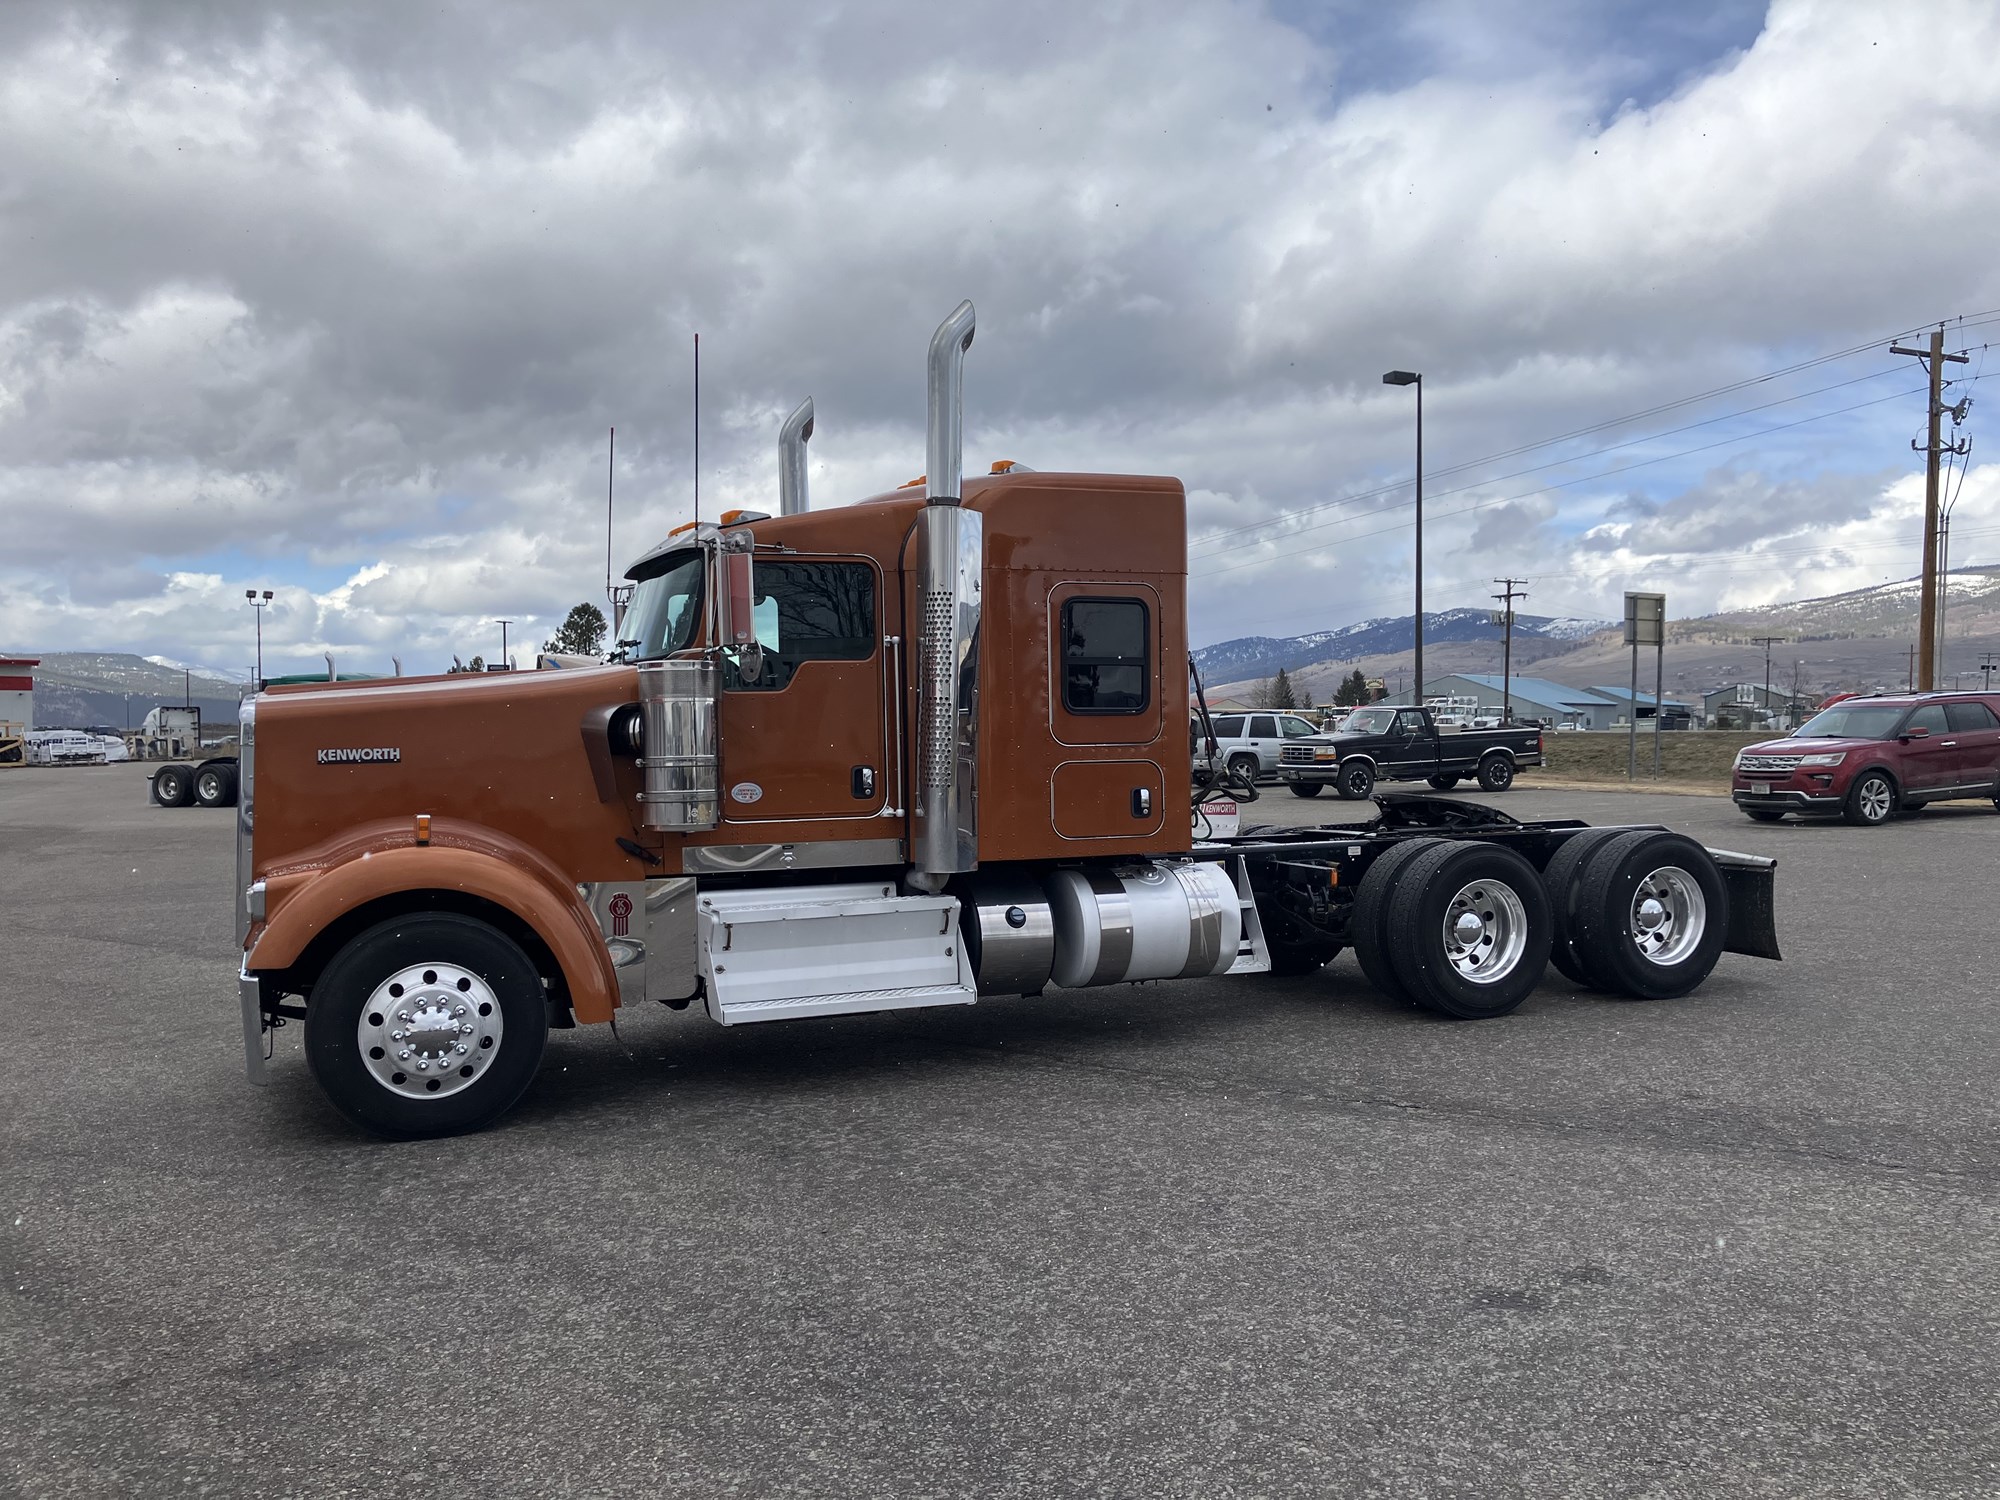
[(951, 556), (792, 440)]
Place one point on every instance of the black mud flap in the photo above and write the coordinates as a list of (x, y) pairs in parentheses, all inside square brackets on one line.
[(1753, 902)]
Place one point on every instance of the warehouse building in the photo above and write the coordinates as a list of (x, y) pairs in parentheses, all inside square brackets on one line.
[(1532, 698)]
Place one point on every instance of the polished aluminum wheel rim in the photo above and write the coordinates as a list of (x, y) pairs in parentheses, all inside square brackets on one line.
[(1874, 796), (429, 1031), (1669, 916), (1485, 931)]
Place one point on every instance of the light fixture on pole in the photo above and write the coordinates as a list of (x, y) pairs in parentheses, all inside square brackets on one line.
[(1411, 377), (260, 605), (503, 624)]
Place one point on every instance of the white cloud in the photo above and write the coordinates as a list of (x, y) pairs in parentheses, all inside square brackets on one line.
[(348, 306)]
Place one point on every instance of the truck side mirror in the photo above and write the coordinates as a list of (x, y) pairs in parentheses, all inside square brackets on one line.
[(736, 603)]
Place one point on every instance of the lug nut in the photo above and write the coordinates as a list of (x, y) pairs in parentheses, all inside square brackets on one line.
[(404, 1055), (461, 1049)]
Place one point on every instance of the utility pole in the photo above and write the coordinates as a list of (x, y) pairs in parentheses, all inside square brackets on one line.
[(503, 624), (1507, 599), (1767, 642), (1913, 669), (1934, 360), (1986, 672)]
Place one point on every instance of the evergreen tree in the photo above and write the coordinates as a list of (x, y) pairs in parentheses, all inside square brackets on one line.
[(582, 633), (1281, 691), (1353, 690)]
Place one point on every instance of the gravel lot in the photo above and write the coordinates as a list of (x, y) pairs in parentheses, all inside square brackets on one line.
[(1258, 1237)]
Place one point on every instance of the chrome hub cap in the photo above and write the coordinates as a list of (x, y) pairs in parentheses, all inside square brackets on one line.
[(429, 1031), (1669, 916), (1485, 931)]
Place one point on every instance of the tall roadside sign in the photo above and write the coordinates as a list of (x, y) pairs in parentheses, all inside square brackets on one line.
[(1645, 625)]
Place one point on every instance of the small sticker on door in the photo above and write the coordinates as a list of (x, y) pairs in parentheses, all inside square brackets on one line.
[(746, 791)]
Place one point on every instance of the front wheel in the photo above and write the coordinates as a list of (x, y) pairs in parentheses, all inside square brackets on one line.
[(1243, 769), (1763, 814), (1355, 781), (1306, 788), (426, 1025), (1496, 773), (1870, 800)]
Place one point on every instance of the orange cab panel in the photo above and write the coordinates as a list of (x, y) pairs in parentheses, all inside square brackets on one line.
[(1107, 799)]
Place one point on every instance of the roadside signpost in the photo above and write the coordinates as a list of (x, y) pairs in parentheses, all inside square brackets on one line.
[(1645, 625)]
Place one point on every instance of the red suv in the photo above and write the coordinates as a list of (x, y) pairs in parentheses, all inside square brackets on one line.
[(1866, 757)]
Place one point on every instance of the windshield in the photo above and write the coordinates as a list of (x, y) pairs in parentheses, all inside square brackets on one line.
[(1848, 721), (666, 609), (1368, 721)]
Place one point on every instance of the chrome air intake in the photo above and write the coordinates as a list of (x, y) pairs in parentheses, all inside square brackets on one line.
[(677, 700), (792, 440), (951, 554)]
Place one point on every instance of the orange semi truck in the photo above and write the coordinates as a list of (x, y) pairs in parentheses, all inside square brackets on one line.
[(920, 750)]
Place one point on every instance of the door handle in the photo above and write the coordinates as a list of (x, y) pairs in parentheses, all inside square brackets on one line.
[(1947, 744), (863, 782), (1142, 802)]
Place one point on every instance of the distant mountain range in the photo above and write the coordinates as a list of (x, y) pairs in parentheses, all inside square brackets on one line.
[(1262, 655), (111, 689), (1856, 641)]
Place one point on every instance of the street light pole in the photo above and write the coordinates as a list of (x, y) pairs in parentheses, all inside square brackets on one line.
[(503, 624), (1412, 377), (260, 605)]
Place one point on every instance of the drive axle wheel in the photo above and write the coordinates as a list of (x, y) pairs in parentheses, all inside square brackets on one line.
[(1469, 930), (215, 786), (1651, 915), (173, 786), (1560, 880), (427, 1025), (1370, 929)]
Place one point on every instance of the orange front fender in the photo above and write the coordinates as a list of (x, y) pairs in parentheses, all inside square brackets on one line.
[(303, 904)]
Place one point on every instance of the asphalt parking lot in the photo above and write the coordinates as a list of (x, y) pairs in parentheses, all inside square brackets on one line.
[(1252, 1237)]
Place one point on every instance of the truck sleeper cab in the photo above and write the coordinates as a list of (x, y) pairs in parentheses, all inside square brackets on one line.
[(912, 752)]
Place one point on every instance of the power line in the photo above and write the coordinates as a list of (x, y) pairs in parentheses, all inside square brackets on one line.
[(1966, 320), (1559, 485)]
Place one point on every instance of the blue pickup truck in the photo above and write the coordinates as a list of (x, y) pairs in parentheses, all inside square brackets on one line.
[(1393, 743)]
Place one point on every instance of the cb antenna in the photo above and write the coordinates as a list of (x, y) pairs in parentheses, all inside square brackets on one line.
[(610, 469), (697, 429)]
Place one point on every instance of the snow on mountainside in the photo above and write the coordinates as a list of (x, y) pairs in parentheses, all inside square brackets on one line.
[(1261, 656)]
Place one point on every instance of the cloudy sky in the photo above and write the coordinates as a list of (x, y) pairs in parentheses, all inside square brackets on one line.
[(341, 300)]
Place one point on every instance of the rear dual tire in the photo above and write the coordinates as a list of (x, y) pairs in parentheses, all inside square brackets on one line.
[(215, 786), (173, 786), (1462, 929), (1646, 914)]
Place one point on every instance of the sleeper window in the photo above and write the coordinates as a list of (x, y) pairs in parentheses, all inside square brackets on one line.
[(1107, 667)]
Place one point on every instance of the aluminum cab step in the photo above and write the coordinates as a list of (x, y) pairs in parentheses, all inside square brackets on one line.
[(829, 950)]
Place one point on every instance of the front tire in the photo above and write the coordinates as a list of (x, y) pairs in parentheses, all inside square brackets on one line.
[(1243, 769), (426, 1025), (1469, 930), (1496, 773), (1355, 781), (1306, 788), (1763, 814), (1443, 783), (1870, 800)]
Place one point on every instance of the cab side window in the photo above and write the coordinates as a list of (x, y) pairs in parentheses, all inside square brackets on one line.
[(1107, 661), (1930, 716), (807, 611), (1409, 723), (1296, 729), (1229, 727), (1262, 727)]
